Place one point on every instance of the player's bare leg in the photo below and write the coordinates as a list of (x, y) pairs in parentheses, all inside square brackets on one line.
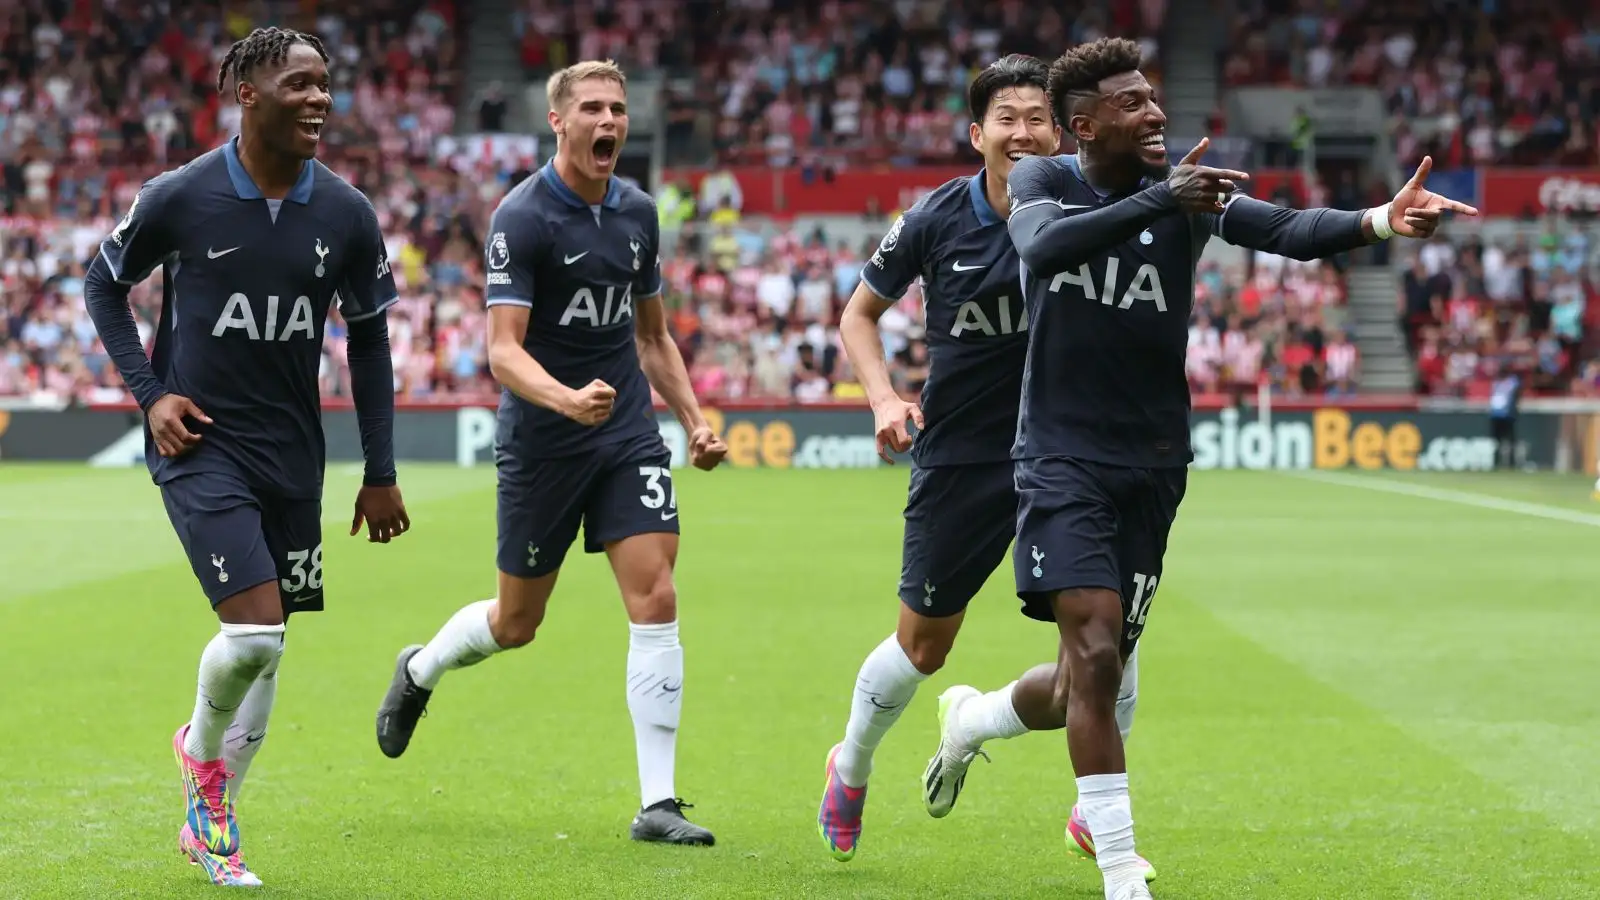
[(887, 681), (476, 632), (643, 566), (1088, 681), (1033, 697), (249, 642)]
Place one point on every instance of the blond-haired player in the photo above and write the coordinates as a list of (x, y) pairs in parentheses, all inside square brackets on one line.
[(577, 338)]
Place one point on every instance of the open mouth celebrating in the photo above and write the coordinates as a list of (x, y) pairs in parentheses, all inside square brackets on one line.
[(1154, 143), (311, 127), (605, 151)]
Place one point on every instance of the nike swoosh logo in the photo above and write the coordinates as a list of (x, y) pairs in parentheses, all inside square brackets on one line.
[(217, 254), (666, 517), (569, 260), (958, 267), (255, 738)]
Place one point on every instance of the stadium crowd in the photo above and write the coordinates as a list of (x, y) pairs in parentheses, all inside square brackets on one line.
[(756, 322), (857, 81), (1271, 321), (1475, 309), (1507, 82), (90, 107)]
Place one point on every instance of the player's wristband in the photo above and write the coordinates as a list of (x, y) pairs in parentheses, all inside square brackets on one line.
[(1380, 222)]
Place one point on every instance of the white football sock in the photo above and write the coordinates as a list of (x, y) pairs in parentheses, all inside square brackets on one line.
[(987, 717), (1108, 811), (655, 695), (1128, 696), (244, 736), (884, 686), (228, 667), (464, 641)]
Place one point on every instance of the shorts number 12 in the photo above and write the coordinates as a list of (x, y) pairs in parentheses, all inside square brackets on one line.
[(1144, 591)]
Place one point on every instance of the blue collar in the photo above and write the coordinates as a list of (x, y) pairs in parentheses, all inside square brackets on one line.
[(980, 200), (245, 186), (559, 188)]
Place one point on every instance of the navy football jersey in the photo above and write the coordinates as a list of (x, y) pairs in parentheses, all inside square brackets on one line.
[(977, 325), (579, 269), (248, 283), (1104, 379)]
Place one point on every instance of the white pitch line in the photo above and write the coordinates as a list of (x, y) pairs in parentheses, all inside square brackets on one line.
[(1446, 495)]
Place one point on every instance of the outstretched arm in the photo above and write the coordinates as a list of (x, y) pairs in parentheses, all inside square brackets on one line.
[(1415, 212), (1296, 233)]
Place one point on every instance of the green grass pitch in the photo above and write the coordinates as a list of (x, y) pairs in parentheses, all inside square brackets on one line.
[(1353, 686)]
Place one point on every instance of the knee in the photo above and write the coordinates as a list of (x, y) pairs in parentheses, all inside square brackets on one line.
[(927, 653), (252, 650), (513, 626), (1096, 668), (656, 604), (927, 649)]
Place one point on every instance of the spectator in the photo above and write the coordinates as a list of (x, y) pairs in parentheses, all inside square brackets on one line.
[(492, 109), (1503, 401), (1343, 365)]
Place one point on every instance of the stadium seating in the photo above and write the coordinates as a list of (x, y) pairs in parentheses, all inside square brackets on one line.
[(1468, 86), (756, 299), (815, 84), (1496, 86), (85, 137)]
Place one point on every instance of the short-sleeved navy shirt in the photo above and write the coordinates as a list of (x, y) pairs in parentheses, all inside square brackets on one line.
[(977, 325), (248, 286), (580, 270)]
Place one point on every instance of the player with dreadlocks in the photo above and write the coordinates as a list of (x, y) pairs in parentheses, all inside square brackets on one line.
[(259, 239)]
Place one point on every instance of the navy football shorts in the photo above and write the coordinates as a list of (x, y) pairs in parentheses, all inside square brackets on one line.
[(238, 537), (1084, 524), (959, 522), (614, 492)]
